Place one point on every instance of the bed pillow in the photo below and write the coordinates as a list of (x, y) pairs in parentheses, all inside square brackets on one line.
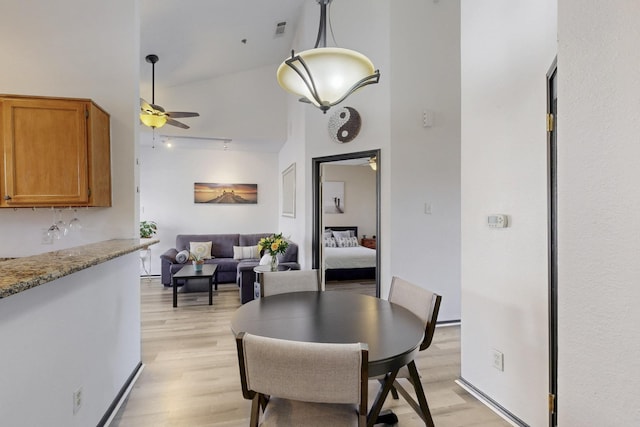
[(348, 242), (202, 249), (342, 234), (330, 242), (246, 252), (328, 233)]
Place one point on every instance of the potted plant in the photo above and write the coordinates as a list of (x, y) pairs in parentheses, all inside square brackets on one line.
[(148, 229), (197, 258)]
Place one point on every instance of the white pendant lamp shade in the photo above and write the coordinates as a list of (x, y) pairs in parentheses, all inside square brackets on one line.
[(334, 73), (325, 76)]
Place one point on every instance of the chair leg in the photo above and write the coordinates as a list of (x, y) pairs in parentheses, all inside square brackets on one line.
[(255, 410)]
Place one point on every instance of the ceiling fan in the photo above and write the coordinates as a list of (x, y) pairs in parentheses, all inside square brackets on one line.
[(155, 116)]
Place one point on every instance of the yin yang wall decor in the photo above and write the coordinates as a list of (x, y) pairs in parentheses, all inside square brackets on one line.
[(344, 125)]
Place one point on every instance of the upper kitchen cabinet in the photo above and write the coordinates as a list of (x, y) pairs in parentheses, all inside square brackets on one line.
[(55, 152)]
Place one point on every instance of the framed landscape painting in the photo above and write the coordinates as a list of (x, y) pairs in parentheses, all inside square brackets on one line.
[(231, 194)]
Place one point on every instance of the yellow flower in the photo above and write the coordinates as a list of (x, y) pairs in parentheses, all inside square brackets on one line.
[(274, 246)]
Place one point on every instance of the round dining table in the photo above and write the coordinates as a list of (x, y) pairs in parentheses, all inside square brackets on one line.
[(392, 332)]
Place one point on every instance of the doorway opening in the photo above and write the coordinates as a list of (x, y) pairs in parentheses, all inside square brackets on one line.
[(338, 198)]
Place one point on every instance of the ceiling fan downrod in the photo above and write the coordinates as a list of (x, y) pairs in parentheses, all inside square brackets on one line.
[(152, 59)]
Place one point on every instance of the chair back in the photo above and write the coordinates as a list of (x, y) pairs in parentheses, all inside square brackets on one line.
[(302, 371), (422, 302), (280, 282)]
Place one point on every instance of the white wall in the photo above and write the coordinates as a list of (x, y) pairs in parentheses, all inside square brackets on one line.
[(80, 331), (167, 176), (598, 205), (297, 228), (506, 52), (359, 197), (425, 161), (63, 49)]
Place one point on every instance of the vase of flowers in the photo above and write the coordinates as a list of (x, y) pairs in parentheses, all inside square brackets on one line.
[(272, 246)]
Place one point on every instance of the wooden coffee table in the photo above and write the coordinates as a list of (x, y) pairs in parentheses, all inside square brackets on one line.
[(209, 271)]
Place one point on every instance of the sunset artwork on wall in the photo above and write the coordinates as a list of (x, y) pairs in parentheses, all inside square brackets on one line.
[(212, 193)]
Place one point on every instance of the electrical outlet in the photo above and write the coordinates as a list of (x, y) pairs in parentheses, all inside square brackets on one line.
[(77, 400), (497, 359)]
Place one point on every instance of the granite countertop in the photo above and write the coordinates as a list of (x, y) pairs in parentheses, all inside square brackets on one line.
[(20, 274)]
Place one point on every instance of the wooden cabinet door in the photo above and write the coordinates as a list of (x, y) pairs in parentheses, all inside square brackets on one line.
[(45, 152), (99, 143)]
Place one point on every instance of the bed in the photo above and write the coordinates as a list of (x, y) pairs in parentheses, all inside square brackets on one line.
[(349, 263)]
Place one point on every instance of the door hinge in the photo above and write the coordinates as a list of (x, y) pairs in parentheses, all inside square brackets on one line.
[(552, 403), (550, 123)]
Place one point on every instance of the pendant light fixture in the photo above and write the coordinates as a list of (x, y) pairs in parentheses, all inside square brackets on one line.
[(325, 76)]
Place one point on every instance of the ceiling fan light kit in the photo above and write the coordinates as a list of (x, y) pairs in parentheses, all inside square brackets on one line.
[(152, 120), (325, 76), (154, 116)]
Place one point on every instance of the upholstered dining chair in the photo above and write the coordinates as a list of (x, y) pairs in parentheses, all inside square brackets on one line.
[(303, 384), (425, 305), (280, 282)]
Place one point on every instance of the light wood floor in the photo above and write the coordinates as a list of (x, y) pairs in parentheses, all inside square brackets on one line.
[(191, 375)]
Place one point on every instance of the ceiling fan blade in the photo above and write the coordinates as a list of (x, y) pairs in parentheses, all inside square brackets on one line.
[(176, 123), (181, 114)]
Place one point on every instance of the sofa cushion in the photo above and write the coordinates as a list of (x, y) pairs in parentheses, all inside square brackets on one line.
[(201, 250), (246, 252), (252, 239), (221, 247), (182, 257)]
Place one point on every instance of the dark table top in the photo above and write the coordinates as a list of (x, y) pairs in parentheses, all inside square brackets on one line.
[(392, 332), (188, 272)]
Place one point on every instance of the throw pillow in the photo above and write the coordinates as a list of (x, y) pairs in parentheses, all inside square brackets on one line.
[(349, 242), (246, 252), (327, 233), (182, 256), (330, 242), (342, 234), (201, 249)]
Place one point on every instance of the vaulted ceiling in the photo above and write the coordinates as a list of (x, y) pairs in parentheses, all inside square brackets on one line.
[(199, 40)]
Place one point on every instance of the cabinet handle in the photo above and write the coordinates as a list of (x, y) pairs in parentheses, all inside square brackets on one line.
[(7, 197)]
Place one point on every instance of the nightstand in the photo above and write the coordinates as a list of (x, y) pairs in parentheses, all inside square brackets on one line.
[(369, 243)]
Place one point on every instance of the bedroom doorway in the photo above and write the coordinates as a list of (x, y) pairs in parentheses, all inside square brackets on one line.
[(346, 209)]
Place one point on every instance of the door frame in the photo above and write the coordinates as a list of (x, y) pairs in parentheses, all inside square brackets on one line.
[(552, 207), (316, 241)]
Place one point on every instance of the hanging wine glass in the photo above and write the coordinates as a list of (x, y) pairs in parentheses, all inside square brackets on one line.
[(74, 223), (54, 231), (62, 226)]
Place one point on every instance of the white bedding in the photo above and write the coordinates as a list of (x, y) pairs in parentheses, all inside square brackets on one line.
[(355, 257)]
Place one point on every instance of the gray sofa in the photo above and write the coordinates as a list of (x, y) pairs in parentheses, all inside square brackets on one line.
[(229, 269)]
